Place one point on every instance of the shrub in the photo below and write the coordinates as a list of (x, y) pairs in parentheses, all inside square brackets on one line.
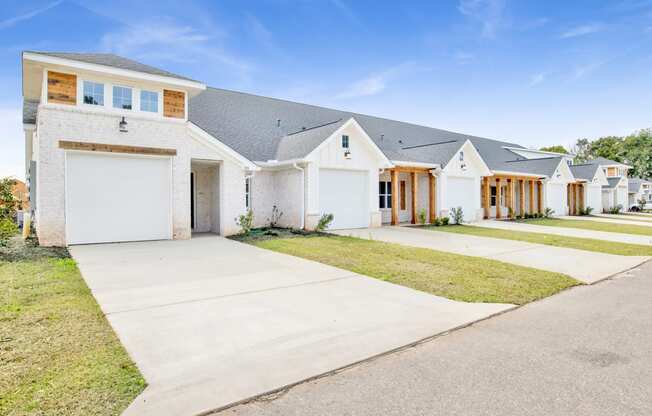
[(641, 204), (245, 222), (437, 222), (445, 221), (324, 222), (275, 217), (8, 229), (518, 217), (510, 213), (457, 215), (586, 211), (8, 202), (548, 213), (422, 216), (616, 209)]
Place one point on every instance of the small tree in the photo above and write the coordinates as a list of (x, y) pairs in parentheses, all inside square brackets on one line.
[(641, 204), (422, 216), (457, 215), (275, 218), (324, 222), (245, 222), (8, 202)]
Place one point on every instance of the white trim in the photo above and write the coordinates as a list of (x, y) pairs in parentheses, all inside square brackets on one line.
[(403, 163), (29, 126), (207, 139), (338, 132), (507, 172), (112, 70), (543, 152), (485, 169)]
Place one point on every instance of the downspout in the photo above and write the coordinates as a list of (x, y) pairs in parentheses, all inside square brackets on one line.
[(303, 193)]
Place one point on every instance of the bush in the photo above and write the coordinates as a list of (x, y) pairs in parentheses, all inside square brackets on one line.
[(616, 209), (437, 222), (457, 215), (275, 218), (324, 222), (548, 213), (641, 204), (422, 216), (245, 222), (8, 229), (510, 213), (445, 221), (8, 202), (586, 211)]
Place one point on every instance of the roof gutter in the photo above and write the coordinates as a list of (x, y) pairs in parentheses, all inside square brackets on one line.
[(280, 164), (509, 173), (401, 163)]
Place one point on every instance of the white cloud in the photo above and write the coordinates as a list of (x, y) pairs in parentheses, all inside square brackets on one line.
[(583, 70), (164, 39), (537, 79), (12, 154), (377, 82), (488, 12), (20, 18), (581, 31)]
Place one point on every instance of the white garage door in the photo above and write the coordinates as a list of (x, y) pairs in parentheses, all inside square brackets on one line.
[(111, 198), (556, 197), (345, 194), (594, 197), (462, 192)]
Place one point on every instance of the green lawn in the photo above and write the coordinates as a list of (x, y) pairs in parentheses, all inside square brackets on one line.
[(58, 354), (593, 226), (631, 217), (588, 244), (464, 278)]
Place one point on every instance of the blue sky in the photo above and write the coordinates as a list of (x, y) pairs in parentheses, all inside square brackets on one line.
[(532, 72)]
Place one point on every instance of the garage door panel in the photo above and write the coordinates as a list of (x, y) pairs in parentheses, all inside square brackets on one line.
[(345, 194), (113, 198), (461, 193), (557, 198)]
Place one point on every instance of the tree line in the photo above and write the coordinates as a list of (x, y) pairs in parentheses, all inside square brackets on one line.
[(634, 150)]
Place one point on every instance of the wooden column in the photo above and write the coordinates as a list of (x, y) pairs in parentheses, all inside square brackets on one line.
[(521, 197), (540, 197), (531, 208), (394, 176), (487, 197), (510, 194), (572, 199), (581, 196), (432, 195), (498, 195), (413, 185)]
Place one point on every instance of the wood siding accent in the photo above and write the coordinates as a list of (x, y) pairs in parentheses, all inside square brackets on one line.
[(403, 195), (432, 191), (62, 88), (115, 148), (612, 172), (394, 176), (413, 178), (174, 104)]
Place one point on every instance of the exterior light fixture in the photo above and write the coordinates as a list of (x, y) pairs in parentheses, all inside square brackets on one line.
[(123, 125), (347, 154)]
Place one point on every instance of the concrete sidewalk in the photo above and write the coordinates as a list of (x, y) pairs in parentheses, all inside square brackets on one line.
[(616, 219), (567, 231), (210, 322), (585, 266)]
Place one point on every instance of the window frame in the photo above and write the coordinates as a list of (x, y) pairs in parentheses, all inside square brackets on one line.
[(83, 92), (247, 194), (113, 97), (345, 139), (493, 193), (386, 197), (155, 101)]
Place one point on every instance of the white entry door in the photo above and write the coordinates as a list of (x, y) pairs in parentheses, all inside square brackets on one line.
[(113, 198), (345, 194)]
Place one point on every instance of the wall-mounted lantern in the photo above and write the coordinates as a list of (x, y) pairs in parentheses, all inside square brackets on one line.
[(123, 125)]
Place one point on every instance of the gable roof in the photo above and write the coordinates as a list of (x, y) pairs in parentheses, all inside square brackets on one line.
[(603, 162), (613, 182), (584, 171), (113, 61), (634, 184), (264, 128)]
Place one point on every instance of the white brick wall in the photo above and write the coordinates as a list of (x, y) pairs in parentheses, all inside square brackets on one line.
[(55, 123)]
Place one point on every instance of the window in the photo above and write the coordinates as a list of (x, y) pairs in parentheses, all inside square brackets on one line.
[(385, 194), (149, 101), (402, 195), (93, 93), (122, 98), (248, 193), (345, 141), (493, 196)]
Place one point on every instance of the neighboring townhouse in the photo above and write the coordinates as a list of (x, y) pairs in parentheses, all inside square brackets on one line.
[(121, 151), (640, 190), (594, 179), (616, 192)]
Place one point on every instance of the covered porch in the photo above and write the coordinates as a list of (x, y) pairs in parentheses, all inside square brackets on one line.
[(506, 196), (576, 197), (406, 191)]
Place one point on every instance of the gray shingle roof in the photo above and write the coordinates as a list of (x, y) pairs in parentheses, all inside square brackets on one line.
[(543, 166), (115, 61), (249, 125), (584, 171), (603, 161), (635, 184), (613, 182), (29, 111)]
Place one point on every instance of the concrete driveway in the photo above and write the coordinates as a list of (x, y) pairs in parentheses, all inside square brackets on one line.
[(614, 219), (585, 266), (567, 231), (210, 321)]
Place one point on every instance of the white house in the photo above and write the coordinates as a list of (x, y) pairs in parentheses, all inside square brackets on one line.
[(640, 190), (121, 151)]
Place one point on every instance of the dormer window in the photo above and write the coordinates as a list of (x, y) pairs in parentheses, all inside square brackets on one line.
[(93, 93), (345, 142), (149, 101), (122, 98)]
